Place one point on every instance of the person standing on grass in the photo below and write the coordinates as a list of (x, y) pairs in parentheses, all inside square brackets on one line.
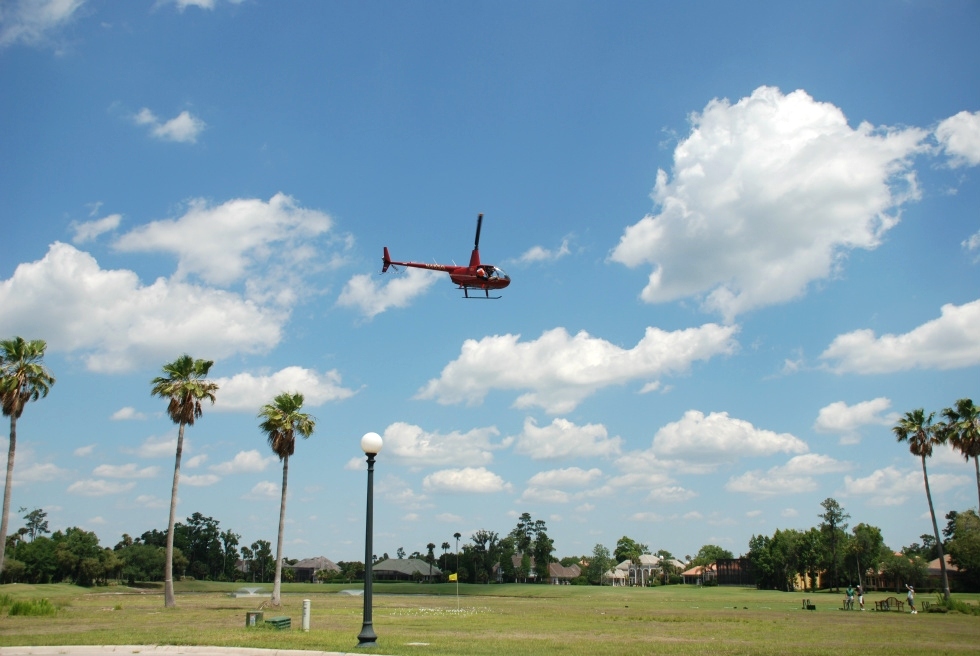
[(911, 599), (850, 598), (861, 595)]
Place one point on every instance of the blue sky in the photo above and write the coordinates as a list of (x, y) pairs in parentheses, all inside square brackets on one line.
[(742, 240)]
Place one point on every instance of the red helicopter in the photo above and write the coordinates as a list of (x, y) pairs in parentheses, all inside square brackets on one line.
[(475, 276)]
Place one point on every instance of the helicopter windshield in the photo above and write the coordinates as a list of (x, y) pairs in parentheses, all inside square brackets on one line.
[(499, 274)]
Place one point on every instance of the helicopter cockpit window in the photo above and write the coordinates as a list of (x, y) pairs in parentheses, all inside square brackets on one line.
[(499, 274)]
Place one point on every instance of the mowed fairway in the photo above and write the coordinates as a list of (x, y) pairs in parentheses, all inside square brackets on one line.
[(496, 620)]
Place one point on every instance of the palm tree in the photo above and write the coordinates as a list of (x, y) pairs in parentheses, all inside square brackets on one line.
[(430, 557), (963, 422), (445, 555), (917, 429), (23, 378), (281, 421), (457, 535), (185, 385)]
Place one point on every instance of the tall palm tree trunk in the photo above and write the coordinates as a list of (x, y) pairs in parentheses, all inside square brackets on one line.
[(976, 464), (169, 601), (935, 528), (7, 488), (277, 582)]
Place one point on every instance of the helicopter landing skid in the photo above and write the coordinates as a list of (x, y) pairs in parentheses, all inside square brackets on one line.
[(487, 297)]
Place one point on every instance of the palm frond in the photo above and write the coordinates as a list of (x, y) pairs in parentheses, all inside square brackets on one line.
[(23, 376), (282, 421), (185, 386)]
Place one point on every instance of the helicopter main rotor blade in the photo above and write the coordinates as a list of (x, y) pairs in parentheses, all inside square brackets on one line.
[(479, 224)]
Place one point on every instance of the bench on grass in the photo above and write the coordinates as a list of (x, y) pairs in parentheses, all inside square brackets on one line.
[(808, 606), (891, 603), (281, 622)]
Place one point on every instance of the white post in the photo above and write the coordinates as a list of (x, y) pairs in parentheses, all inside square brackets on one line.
[(306, 614)]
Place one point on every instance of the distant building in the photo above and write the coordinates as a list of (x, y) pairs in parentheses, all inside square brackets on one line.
[(557, 573), (304, 571), (647, 569), (406, 569), (531, 576), (561, 575), (614, 577), (700, 574), (735, 571)]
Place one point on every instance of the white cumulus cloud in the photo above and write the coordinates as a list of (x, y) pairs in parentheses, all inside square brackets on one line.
[(199, 480), (951, 341), (127, 413), (244, 462), (130, 470), (564, 478), (37, 472), (561, 370), (245, 392), (159, 447), (364, 292), (264, 490), (972, 243), (758, 484), (795, 477), (478, 480), (416, 447), (150, 501), (541, 254), (194, 462), (115, 323), (893, 487), (99, 487), (846, 421), (564, 439), (545, 495), (183, 128), (246, 239), (671, 494), (766, 196), (719, 438), (201, 4), (959, 136), (394, 489), (89, 230), (32, 22)]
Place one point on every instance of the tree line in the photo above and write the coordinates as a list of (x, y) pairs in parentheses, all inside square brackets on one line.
[(184, 385), (523, 555), (488, 557), (835, 556), (201, 551)]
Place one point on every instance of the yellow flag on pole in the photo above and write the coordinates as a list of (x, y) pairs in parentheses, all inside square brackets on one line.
[(452, 577)]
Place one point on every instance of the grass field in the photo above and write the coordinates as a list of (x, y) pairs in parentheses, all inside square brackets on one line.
[(495, 620)]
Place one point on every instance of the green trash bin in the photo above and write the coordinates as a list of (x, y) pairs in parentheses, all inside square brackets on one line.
[(253, 618)]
